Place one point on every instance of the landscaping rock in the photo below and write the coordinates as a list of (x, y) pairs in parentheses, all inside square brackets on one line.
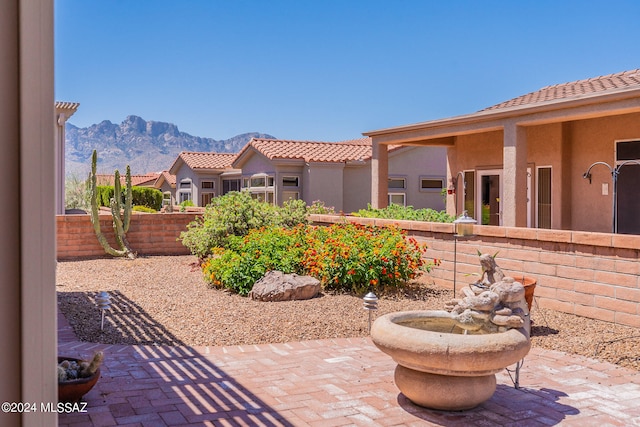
[(277, 286)]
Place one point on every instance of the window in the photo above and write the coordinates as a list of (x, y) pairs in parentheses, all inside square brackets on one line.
[(397, 198), (207, 185), (185, 183), (290, 195), (290, 181), (396, 183), (544, 197), (431, 184), (230, 185), (184, 196), (258, 182), (261, 187), (245, 182)]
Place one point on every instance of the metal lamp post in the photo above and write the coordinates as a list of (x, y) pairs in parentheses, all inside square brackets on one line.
[(370, 303), (463, 227), (103, 301), (614, 173)]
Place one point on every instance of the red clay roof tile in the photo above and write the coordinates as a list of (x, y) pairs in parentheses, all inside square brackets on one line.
[(577, 88), (207, 160)]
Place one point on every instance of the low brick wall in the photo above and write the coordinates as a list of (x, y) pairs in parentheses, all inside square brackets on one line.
[(149, 234), (595, 275)]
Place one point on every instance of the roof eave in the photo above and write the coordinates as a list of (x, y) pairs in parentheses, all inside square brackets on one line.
[(511, 112)]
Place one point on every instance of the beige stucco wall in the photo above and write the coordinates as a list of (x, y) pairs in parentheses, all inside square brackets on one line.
[(594, 141), (323, 181), (569, 148)]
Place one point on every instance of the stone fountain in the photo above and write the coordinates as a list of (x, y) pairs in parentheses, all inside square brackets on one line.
[(447, 360)]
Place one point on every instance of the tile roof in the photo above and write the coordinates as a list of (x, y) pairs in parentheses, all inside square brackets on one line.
[(311, 151), (207, 160), (578, 88), (139, 180), (169, 178)]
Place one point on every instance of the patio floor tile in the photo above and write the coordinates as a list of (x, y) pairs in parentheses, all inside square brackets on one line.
[(345, 381)]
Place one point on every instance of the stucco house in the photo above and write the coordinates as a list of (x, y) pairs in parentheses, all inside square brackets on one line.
[(338, 173), (553, 158), (200, 177), (166, 183)]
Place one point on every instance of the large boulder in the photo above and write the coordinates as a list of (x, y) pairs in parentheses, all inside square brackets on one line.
[(277, 286)]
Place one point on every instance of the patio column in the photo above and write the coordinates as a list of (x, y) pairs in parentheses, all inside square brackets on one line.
[(514, 191), (379, 174), (27, 221)]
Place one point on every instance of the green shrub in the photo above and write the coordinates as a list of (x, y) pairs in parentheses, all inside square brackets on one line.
[(318, 207), (144, 209), (248, 258), (395, 211), (292, 213), (233, 214), (146, 196), (344, 257), (141, 196)]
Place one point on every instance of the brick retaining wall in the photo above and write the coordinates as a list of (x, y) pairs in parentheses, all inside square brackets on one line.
[(149, 234), (595, 275)]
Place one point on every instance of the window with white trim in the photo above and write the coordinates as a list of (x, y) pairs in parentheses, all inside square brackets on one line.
[(397, 199), (431, 184), (184, 193), (290, 181), (397, 183), (261, 187)]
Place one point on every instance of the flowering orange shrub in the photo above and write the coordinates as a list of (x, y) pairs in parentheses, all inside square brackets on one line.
[(346, 257)]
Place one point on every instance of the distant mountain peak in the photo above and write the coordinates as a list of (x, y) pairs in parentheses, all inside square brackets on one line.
[(147, 146)]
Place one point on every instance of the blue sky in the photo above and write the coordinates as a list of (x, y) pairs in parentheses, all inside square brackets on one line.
[(326, 70)]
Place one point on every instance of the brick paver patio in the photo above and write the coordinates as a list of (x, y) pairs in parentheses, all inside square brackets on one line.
[(335, 382)]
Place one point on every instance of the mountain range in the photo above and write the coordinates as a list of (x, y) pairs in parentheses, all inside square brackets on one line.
[(147, 146)]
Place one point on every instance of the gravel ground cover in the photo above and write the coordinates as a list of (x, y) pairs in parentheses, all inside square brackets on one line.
[(165, 301)]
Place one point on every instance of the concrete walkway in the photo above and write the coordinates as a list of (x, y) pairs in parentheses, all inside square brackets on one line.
[(335, 382)]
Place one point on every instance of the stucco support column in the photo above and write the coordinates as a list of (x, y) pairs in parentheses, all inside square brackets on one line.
[(379, 175), (27, 221), (514, 192)]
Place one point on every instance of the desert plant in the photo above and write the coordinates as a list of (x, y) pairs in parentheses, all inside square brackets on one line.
[(344, 257), (76, 193), (120, 225)]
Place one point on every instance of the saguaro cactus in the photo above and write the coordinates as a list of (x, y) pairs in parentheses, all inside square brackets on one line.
[(120, 225)]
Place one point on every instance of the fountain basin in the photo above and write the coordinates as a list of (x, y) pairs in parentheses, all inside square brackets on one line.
[(441, 367)]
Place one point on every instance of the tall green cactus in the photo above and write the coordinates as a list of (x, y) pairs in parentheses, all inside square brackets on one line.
[(120, 225)]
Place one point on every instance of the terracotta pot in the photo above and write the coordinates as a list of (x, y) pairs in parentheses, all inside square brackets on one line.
[(529, 284), (72, 391)]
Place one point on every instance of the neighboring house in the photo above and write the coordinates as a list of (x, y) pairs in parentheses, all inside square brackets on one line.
[(338, 173), (63, 111), (167, 184), (200, 177), (525, 161)]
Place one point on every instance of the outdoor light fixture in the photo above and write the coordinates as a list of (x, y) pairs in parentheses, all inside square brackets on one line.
[(103, 301), (463, 227), (614, 173), (370, 303)]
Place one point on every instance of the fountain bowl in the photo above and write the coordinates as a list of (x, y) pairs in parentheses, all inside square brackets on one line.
[(439, 365)]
